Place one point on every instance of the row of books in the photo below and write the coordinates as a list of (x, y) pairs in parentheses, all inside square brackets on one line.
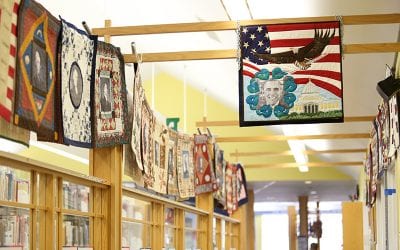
[(76, 231), (14, 229), (76, 196), (13, 188)]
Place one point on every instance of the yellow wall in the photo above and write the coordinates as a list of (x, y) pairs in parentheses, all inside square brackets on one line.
[(169, 94)]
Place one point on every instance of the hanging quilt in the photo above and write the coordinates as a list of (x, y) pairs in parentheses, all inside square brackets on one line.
[(35, 106), (159, 154), (8, 51), (384, 137), (138, 97), (231, 188), (147, 147), (77, 55), (219, 169), (204, 176), (171, 162), (241, 185), (290, 73), (131, 168), (374, 164), (185, 166), (109, 119), (394, 136)]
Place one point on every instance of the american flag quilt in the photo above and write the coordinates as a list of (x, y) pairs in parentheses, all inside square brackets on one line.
[(290, 73)]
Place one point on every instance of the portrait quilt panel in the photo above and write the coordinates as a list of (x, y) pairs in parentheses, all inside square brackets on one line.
[(138, 97), (131, 168), (160, 169), (146, 142), (241, 185), (230, 186), (219, 169), (394, 136), (171, 162), (77, 75), (290, 73), (35, 103), (185, 166), (204, 175), (8, 51), (110, 104)]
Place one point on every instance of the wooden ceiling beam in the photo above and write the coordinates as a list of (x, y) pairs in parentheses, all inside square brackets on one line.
[(289, 152), (232, 25), (309, 164), (269, 138), (206, 123), (232, 53)]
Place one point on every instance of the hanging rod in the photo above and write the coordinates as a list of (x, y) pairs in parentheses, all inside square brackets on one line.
[(232, 25), (206, 123)]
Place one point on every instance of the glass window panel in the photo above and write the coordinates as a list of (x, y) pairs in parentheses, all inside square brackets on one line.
[(190, 220), (190, 240), (169, 238), (14, 185), (169, 216), (136, 235), (136, 209), (75, 196), (14, 227), (76, 231)]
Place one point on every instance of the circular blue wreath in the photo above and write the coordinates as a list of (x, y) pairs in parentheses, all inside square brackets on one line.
[(288, 99)]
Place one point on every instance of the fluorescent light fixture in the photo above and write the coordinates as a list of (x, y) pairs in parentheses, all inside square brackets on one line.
[(297, 148), (308, 182), (303, 168), (236, 9), (313, 192)]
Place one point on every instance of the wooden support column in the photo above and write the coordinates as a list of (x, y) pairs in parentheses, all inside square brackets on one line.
[(241, 215), (206, 203), (50, 213), (292, 227), (106, 163), (250, 221), (352, 218), (303, 211), (302, 242)]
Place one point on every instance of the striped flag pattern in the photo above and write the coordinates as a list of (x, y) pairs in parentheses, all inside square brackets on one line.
[(323, 71), (8, 50)]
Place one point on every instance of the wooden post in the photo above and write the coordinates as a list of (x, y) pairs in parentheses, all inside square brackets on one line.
[(106, 163), (50, 216), (206, 202), (303, 211), (250, 221), (352, 217), (292, 227), (241, 215)]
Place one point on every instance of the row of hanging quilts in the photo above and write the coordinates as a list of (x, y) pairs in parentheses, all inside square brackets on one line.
[(69, 88), (169, 162), (383, 145)]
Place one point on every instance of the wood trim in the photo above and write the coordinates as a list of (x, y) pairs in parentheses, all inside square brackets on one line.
[(206, 123), (270, 138), (183, 56), (371, 48), (232, 25), (80, 213), (289, 152), (24, 163), (309, 164), (232, 53), (226, 218), (16, 204), (127, 219), (164, 200)]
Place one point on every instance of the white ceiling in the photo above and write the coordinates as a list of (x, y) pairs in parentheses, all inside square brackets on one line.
[(219, 77)]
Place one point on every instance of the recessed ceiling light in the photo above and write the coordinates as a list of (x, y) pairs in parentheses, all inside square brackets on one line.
[(308, 182)]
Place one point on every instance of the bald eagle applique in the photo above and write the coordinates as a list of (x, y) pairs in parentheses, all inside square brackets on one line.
[(302, 57)]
